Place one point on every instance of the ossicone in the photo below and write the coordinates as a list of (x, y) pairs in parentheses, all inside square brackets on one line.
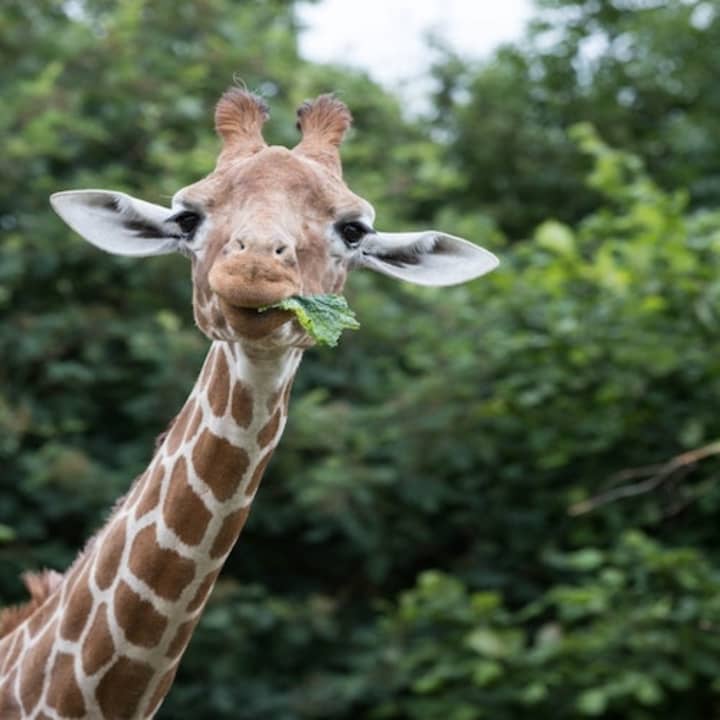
[(325, 119), (239, 117), (323, 123)]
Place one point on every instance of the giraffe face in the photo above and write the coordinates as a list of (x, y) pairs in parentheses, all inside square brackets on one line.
[(269, 223), (264, 228)]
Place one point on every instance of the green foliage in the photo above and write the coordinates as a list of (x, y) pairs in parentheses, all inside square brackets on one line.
[(411, 553), (641, 72), (629, 632)]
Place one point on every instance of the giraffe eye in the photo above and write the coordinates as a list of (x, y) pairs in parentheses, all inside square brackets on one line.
[(352, 232), (187, 221)]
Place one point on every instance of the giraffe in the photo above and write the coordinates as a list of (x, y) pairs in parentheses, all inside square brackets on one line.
[(104, 639)]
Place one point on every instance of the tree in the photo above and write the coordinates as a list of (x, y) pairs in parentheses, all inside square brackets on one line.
[(641, 72), (411, 553)]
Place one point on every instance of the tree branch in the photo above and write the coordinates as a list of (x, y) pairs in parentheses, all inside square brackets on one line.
[(654, 476)]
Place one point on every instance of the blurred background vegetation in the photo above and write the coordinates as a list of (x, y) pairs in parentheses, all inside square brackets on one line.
[(495, 501)]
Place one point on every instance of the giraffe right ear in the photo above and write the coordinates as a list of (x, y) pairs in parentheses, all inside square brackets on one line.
[(118, 223)]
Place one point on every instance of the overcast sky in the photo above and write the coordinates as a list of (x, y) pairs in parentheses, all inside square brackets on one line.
[(386, 37)]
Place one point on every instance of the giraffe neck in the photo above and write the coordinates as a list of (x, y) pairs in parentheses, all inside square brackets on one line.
[(108, 641)]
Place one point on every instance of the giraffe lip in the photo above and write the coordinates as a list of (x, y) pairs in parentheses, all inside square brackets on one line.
[(246, 319), (251, 311)]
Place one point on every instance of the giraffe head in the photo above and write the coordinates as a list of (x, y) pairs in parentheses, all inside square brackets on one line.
[(268, 223)]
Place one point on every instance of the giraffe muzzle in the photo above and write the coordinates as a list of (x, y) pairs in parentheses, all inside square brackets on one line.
[(253, 281)]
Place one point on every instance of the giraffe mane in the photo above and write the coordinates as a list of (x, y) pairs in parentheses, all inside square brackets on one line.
[(41, 586)]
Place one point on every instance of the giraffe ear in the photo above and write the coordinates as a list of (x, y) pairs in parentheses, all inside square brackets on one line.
[(118, 223), (424, 258)]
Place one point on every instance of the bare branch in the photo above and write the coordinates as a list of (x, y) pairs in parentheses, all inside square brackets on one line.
[(654, 476)]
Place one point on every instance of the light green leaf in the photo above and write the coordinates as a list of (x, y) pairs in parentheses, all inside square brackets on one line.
[(323, 316)]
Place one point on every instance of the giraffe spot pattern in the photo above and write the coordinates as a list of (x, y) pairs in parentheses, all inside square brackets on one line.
[(274, 399), (194, 424), (76, 569), (64, 693), (203, 591), (183, 510), (168, 573), (121, 688), (142, 624), (218, 388), (228, 533), (9, 706), (219, 464), (31, 678), (99, 647), (136, 489), (162, 689), (109, 555), (222, 466), (257, 475), (181, 639), (151, 492), (78, 607), (177, 431), (15, 647), (207, 367), (42, 615), (241, 406), (269, 430)]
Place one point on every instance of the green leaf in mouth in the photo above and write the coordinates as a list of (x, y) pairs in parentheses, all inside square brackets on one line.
[(323, 316)]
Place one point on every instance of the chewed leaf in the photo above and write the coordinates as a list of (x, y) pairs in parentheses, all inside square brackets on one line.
[(323, 316)]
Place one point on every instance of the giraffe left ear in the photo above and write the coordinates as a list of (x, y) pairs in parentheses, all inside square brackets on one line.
[(425, 258), (118, 223)]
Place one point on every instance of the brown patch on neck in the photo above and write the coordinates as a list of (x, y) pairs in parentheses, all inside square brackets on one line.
[(122, 688), (151, 491), (77, 609), (142, 624), (64, 693), (194, 424), (184, 512), (242, 405), (109, 555), (162, 689), (181, 639), (38, 619), (13, 652), (218, 388), (177, 429), (33, 675), (220, 464), (270, 429), (99, 647), (9, 707), (163, 570), (203, 591), (254, 483), (228, 533)]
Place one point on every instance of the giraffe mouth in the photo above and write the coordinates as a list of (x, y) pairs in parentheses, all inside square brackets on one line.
[(250, 322)]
